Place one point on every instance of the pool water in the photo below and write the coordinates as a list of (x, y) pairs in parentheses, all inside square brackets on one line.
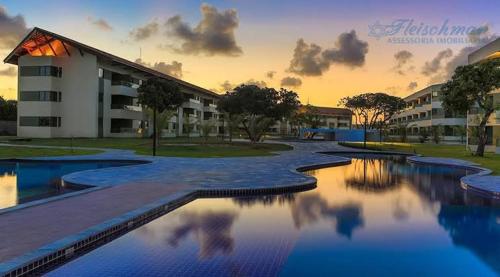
[(22, 182), (375, 216)]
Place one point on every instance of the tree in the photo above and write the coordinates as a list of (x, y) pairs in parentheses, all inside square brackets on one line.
[(437, 133), (258, 107), (8, 109), (188, 124), (372, 110), (206, 127), (423, 135), (159, 95), (162, 120), (469, 87), (233, 123), (311, 118), (460, 131), (402, 130)]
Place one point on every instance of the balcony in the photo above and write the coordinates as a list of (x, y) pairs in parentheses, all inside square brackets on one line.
[(210, 108), (126, 111), (123, 90), (192, 104)]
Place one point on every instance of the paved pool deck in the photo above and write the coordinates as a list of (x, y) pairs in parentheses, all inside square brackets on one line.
[(128, 191), (128, 188)]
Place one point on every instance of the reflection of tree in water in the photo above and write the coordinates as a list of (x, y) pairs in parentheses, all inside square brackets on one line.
[(442, 184), (373, 175), (308, 208), (211, 229), (266, 200), (476, 228)]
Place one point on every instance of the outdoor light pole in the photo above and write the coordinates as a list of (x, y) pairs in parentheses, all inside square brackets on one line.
[(154, 123), (467, 130)]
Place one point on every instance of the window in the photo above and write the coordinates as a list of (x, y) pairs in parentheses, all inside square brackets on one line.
[(40, 121), (46, 70), (44, 96)]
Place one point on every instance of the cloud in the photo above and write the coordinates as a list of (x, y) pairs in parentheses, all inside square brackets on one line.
[(258, 83), (213, 35), (291, 82), (412, 86), (433, 66), (395, 90), (349, 51), (402, 58), (307, 60), (227, 86), (211, 229), (270, 74), (480, 37), (144, 32), (12, 29), (9, 72), (173, 69), (100, 24), (311, 60)]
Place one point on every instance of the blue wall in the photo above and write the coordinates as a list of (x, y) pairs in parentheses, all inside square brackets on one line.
[(355, 135)]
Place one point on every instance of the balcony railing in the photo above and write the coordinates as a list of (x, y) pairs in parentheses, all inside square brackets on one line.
[(124, 83), (126, 107)]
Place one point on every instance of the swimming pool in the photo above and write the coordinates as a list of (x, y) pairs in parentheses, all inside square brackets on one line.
[(376, 216), (25, 181)]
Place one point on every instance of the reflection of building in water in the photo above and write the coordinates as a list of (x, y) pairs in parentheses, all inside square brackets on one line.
[(373, 175), (8, 187), (308, 208), (476, 228)]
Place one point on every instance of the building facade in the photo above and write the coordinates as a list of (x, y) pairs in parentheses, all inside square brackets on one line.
[(68, 89), (489, 51), (331, 118), (423, 110)]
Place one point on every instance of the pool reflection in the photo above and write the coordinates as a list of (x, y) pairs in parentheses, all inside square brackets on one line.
[(377, 216)]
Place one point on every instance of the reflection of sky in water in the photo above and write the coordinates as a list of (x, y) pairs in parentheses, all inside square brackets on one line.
[(359, 220), (27, 181)]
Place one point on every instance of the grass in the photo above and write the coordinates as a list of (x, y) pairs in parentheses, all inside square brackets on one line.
[(174, 147), (7, 152), (490, 160)]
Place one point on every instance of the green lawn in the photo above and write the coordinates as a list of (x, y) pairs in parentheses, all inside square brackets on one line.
[(490, 160), (175, 147), (25, 152)]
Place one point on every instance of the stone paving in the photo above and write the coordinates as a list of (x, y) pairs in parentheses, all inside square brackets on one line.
[(25, 233)]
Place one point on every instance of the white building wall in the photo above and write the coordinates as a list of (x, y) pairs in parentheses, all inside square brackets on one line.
[(78, 87)]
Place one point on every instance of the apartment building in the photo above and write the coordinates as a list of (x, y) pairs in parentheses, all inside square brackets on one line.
[(332, 118), (69, 89), (422, 111), (489, 51)]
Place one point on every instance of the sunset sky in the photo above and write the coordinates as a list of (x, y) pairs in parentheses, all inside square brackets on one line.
[(321, 49)]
